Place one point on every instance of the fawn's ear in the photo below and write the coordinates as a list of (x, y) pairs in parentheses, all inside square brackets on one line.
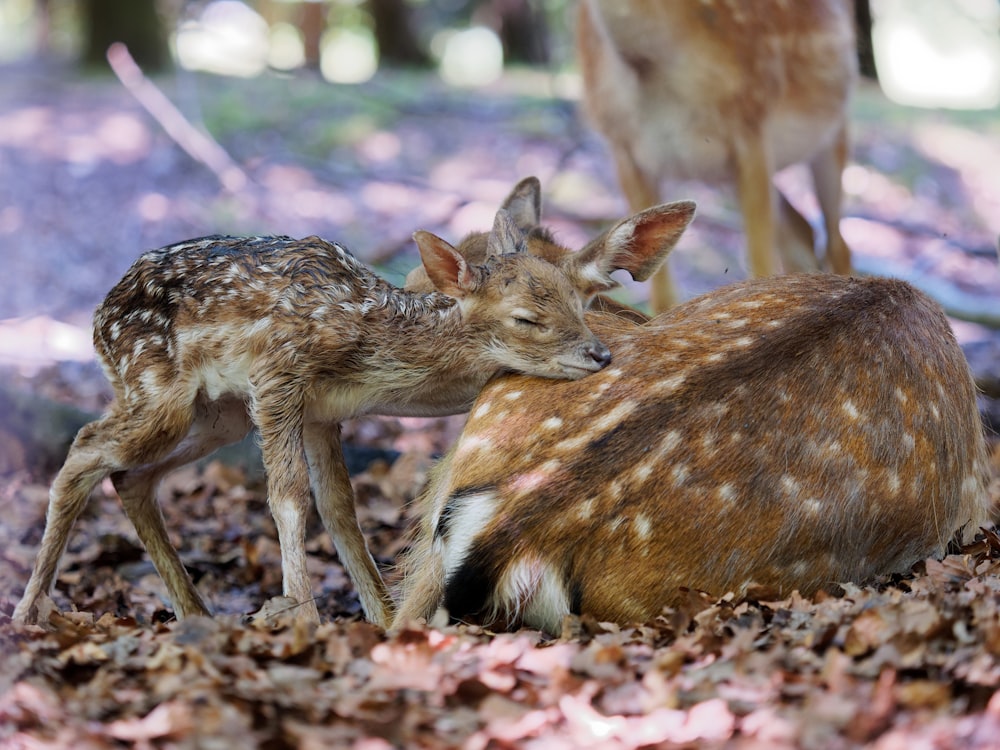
[(505, 237), (638, 244), (524, 204), (444, 265)]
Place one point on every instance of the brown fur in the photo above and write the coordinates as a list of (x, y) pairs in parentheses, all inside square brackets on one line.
[(726, 91), (204, 339), (789, 432)]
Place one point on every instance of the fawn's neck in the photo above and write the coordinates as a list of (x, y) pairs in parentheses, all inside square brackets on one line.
[(413, 354)]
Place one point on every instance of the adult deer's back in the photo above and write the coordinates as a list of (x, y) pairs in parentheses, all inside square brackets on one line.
[(788, 432), (728, 92)]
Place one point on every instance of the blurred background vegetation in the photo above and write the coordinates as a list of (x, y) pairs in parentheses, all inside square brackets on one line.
[(468, 40)]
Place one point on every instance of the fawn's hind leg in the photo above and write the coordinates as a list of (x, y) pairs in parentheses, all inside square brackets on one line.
[(90, 460), (334, 496), (215, 424), (121, 439)]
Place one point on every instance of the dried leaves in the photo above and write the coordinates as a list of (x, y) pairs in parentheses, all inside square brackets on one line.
[(906, 663), (917, 664)]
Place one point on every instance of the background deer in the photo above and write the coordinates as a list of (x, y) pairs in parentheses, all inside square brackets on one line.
[(728, 92), (204, 339), (637, 244), (789, 432)]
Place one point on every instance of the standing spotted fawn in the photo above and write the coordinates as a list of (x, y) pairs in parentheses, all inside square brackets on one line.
[(729, 92), (789, 432), (205, 339)]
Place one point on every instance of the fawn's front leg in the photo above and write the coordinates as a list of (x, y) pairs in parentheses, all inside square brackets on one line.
[(334, 496), (278, 415)]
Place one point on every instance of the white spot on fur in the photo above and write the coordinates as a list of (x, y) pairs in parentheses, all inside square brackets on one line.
[(726, 492), (851, 410), (669, 384), (586, 509), (743, 341), (892, 482), (669, 442), (482, 410), (643, 527), (473, 444), (573, 444), (680, 473), (613, 418), (552, 423), (615, 489), (642, 472), (812, 506), (901, 395), (908, 442), (512, 396), (715, 357), (789, 485), (532, 480)]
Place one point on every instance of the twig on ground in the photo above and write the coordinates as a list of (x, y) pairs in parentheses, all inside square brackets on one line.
[(200, 146)]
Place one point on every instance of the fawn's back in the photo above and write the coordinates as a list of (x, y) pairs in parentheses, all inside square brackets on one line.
[(789, 432)]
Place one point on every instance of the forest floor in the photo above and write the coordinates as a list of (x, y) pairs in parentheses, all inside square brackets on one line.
[(88, 180)]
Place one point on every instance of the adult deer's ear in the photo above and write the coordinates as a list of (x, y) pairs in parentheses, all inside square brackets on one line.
[(505, 237)]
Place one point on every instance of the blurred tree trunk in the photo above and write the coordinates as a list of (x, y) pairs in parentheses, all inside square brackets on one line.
[(522, 29), (863, 25), (136, 23), (394, 34)]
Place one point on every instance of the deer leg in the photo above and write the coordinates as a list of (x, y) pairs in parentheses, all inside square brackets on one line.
[(827, 170), (641, 191), (796, 241), (424, 591), (91, 458), (215, 424), (757, 204), (334, 497), (277, 413)]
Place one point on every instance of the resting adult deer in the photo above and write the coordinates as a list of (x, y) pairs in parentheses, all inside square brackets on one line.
[(728, 92), (204, 339), (789, 432)]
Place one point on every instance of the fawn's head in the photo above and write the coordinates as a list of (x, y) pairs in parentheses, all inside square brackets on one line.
[(522, 310), (637, 244)]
